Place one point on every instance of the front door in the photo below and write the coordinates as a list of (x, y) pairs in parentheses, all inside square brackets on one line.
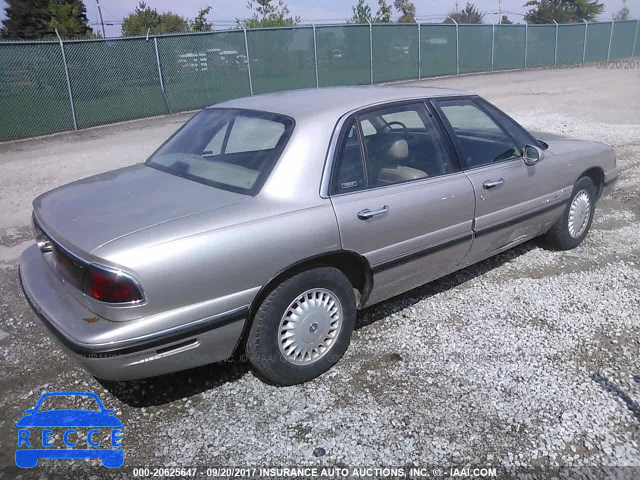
[(514, 201), (400, 199)]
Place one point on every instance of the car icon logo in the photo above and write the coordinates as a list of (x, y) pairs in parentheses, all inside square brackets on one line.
[(99, 430)]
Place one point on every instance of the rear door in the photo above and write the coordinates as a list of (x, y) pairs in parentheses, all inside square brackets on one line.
[(514, 201), (400, 198)]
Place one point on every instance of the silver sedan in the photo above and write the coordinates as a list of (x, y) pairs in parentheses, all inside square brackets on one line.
[(265, 223)]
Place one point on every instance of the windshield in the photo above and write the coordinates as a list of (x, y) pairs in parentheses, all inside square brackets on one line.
[(231, 149)]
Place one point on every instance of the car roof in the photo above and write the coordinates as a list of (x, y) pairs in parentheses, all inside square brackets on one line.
[(334, 100)]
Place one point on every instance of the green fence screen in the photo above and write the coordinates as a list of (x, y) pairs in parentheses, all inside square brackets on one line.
[(343, 55), (570, 44), (114, 81), (202, 69), (622, 40), (509, 47), (438, 50), (541, 46), (475, 48), (34, 99), (51, 86), (281, 59), (395, 52), (597, 41)]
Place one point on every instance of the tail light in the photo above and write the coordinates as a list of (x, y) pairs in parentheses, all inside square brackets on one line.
[(111, 286)]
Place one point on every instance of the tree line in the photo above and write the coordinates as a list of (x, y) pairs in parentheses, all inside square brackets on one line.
[(34, 19)]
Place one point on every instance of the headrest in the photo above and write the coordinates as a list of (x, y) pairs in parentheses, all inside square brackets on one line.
[(399, 150)]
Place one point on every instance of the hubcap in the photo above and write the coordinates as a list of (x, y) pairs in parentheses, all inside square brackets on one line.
[(310, 326), (579, 213)]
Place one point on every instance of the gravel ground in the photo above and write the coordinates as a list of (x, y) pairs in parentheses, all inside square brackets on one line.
[(530, 358)]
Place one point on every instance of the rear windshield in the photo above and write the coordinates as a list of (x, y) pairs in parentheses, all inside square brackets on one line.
[(231, 149)]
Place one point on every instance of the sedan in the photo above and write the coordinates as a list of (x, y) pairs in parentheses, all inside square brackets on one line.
[(265, 223)]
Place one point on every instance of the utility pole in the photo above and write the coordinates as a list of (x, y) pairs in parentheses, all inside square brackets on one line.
[(499, 12), (104, 35)]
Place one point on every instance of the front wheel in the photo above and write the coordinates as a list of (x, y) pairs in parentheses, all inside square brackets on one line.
[(303, 327), (571, 228)]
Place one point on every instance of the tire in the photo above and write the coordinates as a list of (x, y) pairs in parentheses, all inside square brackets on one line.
[(563, 235), (315, 312)]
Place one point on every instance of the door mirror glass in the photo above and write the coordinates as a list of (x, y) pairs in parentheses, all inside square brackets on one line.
[(532, 155)]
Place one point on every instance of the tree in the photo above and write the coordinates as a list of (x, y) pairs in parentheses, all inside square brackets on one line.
[(623, 13), (27, 19), (383, 15), (69, 18), (144, 18), (268, 14), (172, 23), (505, 20), (362, 13), (562, 11), (407, 11), (200, 23), (469, 14)]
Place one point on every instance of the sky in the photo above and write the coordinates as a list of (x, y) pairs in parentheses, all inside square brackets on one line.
[(224, 12)]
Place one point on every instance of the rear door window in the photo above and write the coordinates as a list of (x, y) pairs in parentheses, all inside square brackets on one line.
[(349, 175), (407, 145)]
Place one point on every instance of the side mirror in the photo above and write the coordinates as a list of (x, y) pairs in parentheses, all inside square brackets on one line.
[(29, 411), (532, 155)]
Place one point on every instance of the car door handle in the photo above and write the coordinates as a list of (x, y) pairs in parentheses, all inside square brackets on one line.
[(492, 183), (366, 214)]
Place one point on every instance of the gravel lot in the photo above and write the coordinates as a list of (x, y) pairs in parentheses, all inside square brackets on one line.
[(529, 358)]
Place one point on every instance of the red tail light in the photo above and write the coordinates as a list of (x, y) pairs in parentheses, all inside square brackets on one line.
[(111, 286)]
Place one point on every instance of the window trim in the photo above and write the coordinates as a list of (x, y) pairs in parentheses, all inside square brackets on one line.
[(289, 126), (326, 185), (484, 103), (454, 137), (340, 148)]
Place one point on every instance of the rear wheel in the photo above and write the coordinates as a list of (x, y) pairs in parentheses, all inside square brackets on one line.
[(571, 228), (303, 327)]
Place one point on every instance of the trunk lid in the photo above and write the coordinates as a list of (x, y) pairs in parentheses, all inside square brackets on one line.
[(89, 213)]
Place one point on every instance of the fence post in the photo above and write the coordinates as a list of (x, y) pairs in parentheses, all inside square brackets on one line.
[(315, 54), (420, 53), (584, 43), (66, 74), (635, 39), (457, 48), (555, 50), (370, 51), (610, 38), (493, 43), (155, 45), (246, 49), (526, 43)]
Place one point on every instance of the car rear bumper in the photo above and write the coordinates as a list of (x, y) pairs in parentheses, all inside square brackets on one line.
[(196, 343)]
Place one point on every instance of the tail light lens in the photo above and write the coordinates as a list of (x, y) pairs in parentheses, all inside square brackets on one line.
[(111, 286), (70, 269)]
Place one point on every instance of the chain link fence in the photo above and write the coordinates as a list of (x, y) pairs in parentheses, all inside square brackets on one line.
[(48, 87)]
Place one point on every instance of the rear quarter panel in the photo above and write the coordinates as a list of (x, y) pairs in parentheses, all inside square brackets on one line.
[(226, 258)]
